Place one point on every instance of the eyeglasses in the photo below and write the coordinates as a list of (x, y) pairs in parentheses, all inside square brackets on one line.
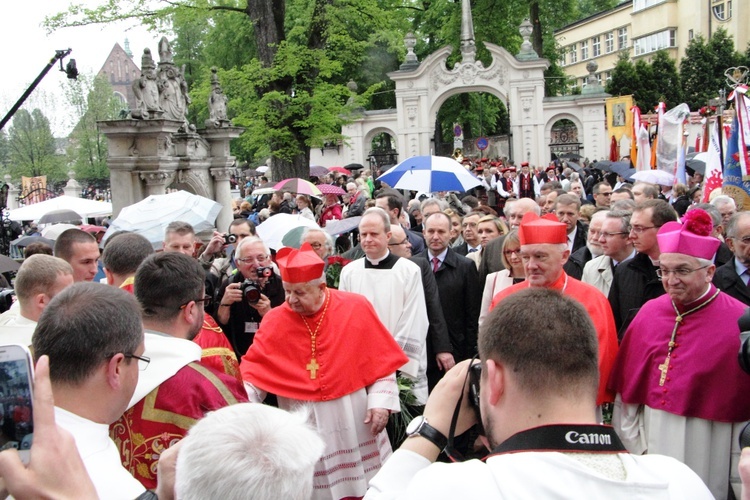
[(640, 229), (609, 235), (745, 240), (680, 272), (508, 253), (316, 246), (258, 258), (406, 240), (206, 300), (143, 361)]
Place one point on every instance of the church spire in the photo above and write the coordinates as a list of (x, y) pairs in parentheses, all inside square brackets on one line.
[(468, 47)]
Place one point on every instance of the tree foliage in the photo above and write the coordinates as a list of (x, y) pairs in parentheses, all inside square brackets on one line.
[(702, 68), (92, 100), (32, 147), (649, 82), (624, 79)]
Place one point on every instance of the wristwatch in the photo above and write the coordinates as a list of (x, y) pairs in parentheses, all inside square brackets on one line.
[(420, 427)]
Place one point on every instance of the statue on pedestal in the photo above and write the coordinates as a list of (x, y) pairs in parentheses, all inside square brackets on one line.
[(146, 90), (217, 104), (173, 91)]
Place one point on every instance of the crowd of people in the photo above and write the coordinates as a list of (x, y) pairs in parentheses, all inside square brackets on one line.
[(514, 322)]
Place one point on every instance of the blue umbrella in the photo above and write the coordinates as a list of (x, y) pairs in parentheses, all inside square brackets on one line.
[(429, 174)]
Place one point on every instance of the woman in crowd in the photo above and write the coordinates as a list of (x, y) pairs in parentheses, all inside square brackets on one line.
[(331, 210), (303, 207), (512, 274), (456, 238), (488, 228)]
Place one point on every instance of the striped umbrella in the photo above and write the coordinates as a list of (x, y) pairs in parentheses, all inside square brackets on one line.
[(299, 186), (430, 174)]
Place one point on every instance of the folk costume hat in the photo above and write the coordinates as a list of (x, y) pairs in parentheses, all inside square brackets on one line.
[(546, 229), (524, 164), (692, 237), (299, 266)]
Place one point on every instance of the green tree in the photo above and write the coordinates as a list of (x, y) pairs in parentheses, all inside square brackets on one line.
[(4, 151), (32, 147), (92, 99), (624, 79), (647, 93), (667, 78), (702, 68), (589, 7)]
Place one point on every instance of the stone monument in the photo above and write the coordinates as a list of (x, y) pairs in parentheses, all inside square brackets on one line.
[(217, 104)]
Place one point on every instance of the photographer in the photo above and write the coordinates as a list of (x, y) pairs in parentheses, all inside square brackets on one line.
[(251, 292), (537, 394)]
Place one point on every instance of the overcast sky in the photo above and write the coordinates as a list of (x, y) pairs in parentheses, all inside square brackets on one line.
[(27, 49)]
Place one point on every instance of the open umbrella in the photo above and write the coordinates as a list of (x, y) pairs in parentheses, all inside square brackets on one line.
[(61, 215), (330, 189), (318, 171), (151, 216), (429, 174), (266, 188), (82, 206), (354, 166), (299, 186), (8, 265), (25, 241), (654, 177), (273, 229), (336, 227), (570, 156), (52, 232), (340, 170), (622, 168), (697, 163), (602, 165)]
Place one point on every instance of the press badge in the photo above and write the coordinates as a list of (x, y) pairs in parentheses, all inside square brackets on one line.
[(251, 326)]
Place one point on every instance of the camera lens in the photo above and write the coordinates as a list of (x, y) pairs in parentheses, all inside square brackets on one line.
[(252, 294)]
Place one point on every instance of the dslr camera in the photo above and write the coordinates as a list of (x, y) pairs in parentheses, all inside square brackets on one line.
[(251, 288), (230, 239)]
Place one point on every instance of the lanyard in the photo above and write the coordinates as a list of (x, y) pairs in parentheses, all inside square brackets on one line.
[(587, 438)]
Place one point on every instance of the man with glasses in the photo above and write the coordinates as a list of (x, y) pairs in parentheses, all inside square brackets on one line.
[(681, 392), (614, 238), (175, 391), (222, 268), (238, 308), (92, 382), (635, 281), (602, 195), (734, 276)]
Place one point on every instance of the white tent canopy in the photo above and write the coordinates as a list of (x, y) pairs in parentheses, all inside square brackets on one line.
[(83, 206)]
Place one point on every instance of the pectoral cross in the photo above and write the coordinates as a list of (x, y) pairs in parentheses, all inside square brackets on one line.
[(663, 368), (312, 367)]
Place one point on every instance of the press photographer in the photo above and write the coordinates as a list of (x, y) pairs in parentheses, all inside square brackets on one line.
[(251, 292), (537, 395)]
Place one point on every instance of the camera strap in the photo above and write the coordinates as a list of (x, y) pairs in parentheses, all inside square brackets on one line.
[(585, 438), (450, 450)]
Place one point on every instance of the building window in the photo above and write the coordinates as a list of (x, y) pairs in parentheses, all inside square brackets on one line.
[(574, 53), (609, 42), (584, 50), (645, 4), (622, 38), (656, 41), (691, 35), (608, 75), (722, 10), (596, 48), (584, 82), (563, 58), (599, 78)]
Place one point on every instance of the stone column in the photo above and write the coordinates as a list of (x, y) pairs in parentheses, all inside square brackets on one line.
[(72, 188), (223, 195), (157, 181)]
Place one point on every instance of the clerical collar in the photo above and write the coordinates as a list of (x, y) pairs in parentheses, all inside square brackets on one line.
[(705, 296), (375, 262), (385, 263)]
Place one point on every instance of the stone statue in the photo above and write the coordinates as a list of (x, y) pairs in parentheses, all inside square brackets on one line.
[(173, 89), (165, 51), (217, 104), (146, 90)]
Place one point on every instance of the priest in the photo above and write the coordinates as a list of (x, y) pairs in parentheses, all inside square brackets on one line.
[(544, 251), (680, 390), (328, 348)]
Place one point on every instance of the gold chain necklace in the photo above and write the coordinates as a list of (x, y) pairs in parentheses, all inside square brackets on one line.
[(313, 365), (672, 344)]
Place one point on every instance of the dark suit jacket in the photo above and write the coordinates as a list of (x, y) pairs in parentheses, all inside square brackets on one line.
[(581, 234), (723, 255), (417, 241), (727, 280), (462, 249), (491, 258), (577, 261), (460, 298), (438, 332)]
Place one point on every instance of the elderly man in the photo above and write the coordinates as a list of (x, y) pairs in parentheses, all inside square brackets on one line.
[(565, 208), (643, 191), (727, 207), (38, 280), (544, 250), (394, 288), (223, 268), (733, 277), (459, 290), (80, 250), (320, 241), (176, 390), (329, 349), (537, 409), (491, 257), (635, 282), (617, 248), (470, 235), (578, 259), (357, 200), (680, 389), (249, 295), (93, 381)]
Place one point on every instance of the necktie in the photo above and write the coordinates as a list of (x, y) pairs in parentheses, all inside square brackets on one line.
[(435, 264), (471, 250)]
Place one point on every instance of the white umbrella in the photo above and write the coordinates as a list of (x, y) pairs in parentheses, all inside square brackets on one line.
[(55, 230), (151, 216), (83, 206), (660, 177), (430, 174), (273, 229)]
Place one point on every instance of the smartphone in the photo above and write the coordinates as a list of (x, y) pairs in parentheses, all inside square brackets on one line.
[(16, 395)]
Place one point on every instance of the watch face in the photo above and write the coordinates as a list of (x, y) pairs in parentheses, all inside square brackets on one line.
[(414, 425)]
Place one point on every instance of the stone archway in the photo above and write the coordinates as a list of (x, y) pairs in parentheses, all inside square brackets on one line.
[(563, 133), (381, 155)]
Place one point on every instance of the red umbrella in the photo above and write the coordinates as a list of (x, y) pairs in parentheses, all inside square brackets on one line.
[(340, 170), (299, 186), (330, 189), (613, 150)]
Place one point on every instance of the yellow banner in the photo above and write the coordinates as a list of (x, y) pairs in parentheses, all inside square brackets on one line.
[(619, 117)]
